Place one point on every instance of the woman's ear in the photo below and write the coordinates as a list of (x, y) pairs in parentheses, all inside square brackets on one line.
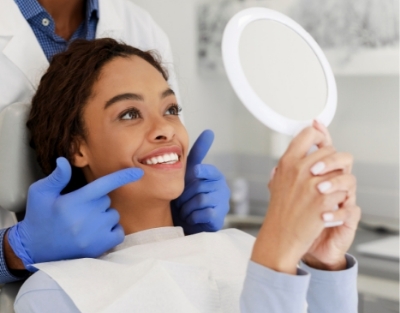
[(79, 153)]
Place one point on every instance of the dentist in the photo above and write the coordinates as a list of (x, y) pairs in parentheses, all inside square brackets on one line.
[(82, 224)]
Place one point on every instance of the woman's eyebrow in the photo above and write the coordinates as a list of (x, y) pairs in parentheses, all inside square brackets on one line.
[(167, 93), (123, 96), (134, 96)]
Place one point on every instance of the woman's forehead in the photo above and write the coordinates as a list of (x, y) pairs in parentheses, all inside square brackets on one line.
[(130, 66)]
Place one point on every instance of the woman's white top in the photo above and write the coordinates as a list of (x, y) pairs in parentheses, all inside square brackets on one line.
[(161, 270)]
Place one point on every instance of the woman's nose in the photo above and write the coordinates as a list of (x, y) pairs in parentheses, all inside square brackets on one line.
[(161, 130)]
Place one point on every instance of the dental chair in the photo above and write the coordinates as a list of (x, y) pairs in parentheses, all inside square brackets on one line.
[(18, 170)]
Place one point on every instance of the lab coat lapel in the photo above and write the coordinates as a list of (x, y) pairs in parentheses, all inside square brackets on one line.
[(109, 24), (22, 49)]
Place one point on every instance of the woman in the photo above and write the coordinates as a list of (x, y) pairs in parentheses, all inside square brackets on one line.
[(106, 106), (31, 32)]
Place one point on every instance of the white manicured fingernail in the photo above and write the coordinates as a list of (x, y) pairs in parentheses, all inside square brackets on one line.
[(327, 217), (324, 187), (318, 168)]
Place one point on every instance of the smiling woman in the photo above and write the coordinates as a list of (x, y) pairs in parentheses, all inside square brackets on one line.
[(106, 106), (112, 112)]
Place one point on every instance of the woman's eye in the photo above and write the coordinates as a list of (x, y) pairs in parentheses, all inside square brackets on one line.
[(173, 110), (130, 115)]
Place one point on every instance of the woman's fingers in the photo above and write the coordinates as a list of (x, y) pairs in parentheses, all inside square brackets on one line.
[(335, 216), (350, 216), (303, 142), (329, 202), (321, 127), (344, 182), (333, 162), (353, 216)]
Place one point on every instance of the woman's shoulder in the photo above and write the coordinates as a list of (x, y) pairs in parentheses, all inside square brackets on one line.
[(40, 293), (231, 239), (236, 234)]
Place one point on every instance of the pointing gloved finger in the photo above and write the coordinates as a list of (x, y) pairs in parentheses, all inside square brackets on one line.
[(104, 185), (198, 152), (208, 172), (57, 180), (100, 205)]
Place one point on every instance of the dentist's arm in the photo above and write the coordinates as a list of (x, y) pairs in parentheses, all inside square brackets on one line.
[(74, 225), (204, 203)]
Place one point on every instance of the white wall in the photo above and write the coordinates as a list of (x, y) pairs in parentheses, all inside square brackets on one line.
[(367, 119)]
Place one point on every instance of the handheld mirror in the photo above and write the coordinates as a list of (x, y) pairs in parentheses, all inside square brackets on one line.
[(278, 71)]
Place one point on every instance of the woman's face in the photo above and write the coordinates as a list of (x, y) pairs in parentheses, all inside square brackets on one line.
[(132, 120)]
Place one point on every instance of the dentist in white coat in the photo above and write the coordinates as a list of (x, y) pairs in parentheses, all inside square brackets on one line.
[(31, 32)]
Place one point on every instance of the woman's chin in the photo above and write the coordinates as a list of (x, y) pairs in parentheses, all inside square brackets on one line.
[(172, 193)]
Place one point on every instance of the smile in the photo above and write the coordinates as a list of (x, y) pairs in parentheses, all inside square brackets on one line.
[(167, 158), (164, 158)]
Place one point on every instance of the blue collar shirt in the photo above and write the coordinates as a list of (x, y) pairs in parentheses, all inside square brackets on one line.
[(43, 26)]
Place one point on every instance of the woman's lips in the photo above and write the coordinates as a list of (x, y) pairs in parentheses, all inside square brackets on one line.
[(163, 158), (176, 165)]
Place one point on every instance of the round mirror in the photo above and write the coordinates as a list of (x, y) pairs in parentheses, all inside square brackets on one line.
[(278, 71)]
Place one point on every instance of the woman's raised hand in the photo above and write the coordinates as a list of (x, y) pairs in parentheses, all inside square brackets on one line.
[(328, 250), (301, 201)]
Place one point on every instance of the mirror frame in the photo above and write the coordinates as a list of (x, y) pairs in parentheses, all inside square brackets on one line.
[(238, 80)]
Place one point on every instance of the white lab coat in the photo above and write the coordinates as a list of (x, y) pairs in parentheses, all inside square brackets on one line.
[(23, 62)]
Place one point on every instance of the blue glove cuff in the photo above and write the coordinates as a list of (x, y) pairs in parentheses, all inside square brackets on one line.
[(14, 240)]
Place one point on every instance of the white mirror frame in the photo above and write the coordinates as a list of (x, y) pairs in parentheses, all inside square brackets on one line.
[(237, 77)]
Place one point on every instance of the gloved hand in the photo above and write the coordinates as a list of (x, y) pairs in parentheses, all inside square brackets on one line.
[(204, 203), (74, 225)]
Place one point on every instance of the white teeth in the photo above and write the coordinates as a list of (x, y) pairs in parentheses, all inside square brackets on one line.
[(174, 157), (168, 158)]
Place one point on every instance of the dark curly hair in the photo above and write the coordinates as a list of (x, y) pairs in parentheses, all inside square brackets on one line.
[(55, 120)]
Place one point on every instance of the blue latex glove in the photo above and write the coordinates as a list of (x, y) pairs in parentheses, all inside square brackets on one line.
[(204, 203), (75, 225)]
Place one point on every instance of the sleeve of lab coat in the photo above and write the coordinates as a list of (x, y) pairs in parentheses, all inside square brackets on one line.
[(268, 291)]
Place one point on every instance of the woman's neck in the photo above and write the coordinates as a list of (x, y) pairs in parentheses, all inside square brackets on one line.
[(144, 215)]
